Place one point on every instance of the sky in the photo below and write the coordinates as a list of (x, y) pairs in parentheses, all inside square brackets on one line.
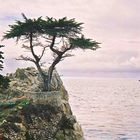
[(113, 23)]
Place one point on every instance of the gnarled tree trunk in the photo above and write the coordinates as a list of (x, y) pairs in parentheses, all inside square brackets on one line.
[(50, 71)]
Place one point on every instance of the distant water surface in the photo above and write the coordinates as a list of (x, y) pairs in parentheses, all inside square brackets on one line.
[(107, 108)]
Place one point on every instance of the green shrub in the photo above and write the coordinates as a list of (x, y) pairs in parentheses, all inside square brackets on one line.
[(4, 82), (20, 73)]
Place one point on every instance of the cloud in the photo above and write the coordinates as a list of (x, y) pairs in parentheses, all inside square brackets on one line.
[(114, 23)]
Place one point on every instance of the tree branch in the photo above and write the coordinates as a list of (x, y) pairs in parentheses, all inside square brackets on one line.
[(38, 44), (67, 55), (67, 49), (52, 45), (26, 47), (25, 58), (32, 50), (43, 51)]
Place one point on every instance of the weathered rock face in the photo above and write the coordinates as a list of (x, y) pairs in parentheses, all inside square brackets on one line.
[(27, 113)]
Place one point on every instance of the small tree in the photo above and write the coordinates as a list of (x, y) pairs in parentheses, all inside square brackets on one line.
[(67, 32)]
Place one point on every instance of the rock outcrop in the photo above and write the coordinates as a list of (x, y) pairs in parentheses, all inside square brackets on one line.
[(27, 113)]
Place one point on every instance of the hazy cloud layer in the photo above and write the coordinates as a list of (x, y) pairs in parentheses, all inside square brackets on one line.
[(115, 23)]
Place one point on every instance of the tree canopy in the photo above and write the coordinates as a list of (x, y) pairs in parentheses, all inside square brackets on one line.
[(24, 28)]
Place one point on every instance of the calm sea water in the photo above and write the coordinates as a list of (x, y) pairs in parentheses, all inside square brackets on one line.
[(107, 108)]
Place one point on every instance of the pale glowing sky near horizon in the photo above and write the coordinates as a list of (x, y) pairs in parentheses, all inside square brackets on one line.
[(114, 23)]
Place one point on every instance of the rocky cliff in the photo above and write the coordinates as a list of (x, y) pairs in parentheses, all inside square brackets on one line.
[(27, 113)]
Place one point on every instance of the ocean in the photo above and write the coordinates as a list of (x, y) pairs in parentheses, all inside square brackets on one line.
[(106, 108)]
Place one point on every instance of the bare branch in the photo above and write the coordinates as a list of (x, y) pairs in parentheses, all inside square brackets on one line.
[(25, 58), (43, 51), (67, 55), (24, 16), (26, 47), (32, 48), (42, 64), (38, 44), (67, 49), (52, 45), (48, 41)]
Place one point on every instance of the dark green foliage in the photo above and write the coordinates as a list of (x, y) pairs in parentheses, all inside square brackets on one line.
[(62, 27), (67, 123), (4, 138), (10, 108), (6, 105), (14, 119), (9, 104), (24, 28), (4, 82), (83, 43), (51, 26), (9, 126), (1, 58), (29, 136)]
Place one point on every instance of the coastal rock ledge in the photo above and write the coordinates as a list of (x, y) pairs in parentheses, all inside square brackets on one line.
[(27, 113)]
